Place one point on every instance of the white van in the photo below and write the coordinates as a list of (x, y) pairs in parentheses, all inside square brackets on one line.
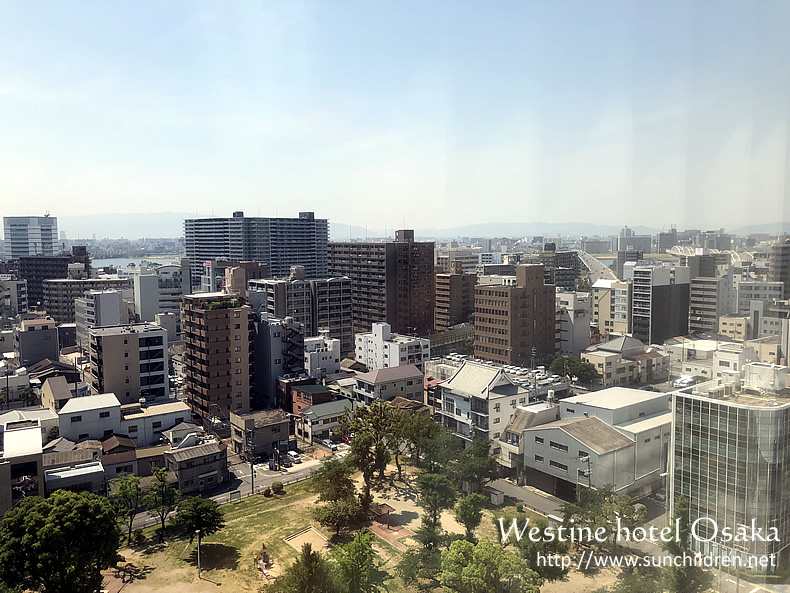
[(684, 381), (295, 457)]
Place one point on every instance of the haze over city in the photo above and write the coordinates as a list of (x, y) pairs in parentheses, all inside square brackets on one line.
[(614, 113)]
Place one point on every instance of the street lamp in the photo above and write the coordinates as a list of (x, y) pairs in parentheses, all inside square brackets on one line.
[(198, 551)]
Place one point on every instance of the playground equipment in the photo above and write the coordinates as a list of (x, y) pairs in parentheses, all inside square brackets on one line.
[(262, 561)]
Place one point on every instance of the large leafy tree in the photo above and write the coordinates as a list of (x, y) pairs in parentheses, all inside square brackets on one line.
[(161, 499), (362, 455), (332, 480), (127, 497), (337, 514), (59, 544), (436, 493), (196, 513), (376, 421), (486, 567), (420, 429), (398, 436), (421, 568), (355, 563), (469, 512), (310, 573), (441, 450), (685, 579), (573, 366), (545, 546), (476, 465)]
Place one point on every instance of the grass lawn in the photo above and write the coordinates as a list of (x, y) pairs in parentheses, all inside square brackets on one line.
[(226, 557)]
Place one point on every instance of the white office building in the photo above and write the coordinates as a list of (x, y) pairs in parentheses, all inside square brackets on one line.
[(97, 308), (30, 235), (321, 356)]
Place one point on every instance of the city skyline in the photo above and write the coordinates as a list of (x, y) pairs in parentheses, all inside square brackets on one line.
[(619, 113)]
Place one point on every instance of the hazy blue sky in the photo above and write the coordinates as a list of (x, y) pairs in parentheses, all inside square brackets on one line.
[(445, 113)]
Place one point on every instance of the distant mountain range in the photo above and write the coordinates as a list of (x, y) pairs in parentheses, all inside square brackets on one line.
[(171, 224)]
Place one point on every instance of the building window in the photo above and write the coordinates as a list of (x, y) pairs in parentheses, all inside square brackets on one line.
[(157, 424), (83, 436), (557, 465), (558, 446), (132, 428), (126, 355), (539, 458), (104, 414), (570, 410), (539, 440), (583, 454), (76, 419), (496, 420)]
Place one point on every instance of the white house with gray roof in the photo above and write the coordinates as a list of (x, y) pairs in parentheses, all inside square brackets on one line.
[(616, 436), (319, 420), (389, 383), (478, 401)]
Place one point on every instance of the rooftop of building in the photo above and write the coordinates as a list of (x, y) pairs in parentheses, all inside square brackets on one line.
[(188, 453), (136, 328), (327, 409), (22, 441), (478, 379), (621, 345), (23, 414), (315, 389), (399, 373), (263, 418), (90, 402), (61, 458), (133, 411), (614, 398), (90, 468), (594, 433)]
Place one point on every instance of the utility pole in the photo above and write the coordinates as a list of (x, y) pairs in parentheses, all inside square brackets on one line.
[(250, 437), (198, 552)]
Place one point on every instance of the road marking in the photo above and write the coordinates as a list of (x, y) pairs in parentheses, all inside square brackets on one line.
[(755, 590)]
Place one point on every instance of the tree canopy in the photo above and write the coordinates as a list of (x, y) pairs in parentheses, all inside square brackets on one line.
[(161, 499), (573, 366), (310, 573), (485, 567), (469, 512), (332, 480), (127, 497), (355, 563), (196, 513), (684, 579), (59, 544)]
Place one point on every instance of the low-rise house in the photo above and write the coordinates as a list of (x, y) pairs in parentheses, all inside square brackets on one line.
[(47, 419), (305, 396), (318, 421), (176, 434), (90, 417), (119, 456), (144, 423), (387, 383), (626, 361), (198, 467), (55, 392), (81, 477), (259, 433)]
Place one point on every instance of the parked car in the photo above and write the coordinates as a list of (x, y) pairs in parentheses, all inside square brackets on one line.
[(295, 457), (285, 461)]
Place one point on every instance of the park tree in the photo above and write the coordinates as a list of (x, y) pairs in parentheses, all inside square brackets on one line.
[(310, 573), (355, 563), (59, 544), (421, 568), (376, 421), (602, 507), (398, 436), (685, 579), (476, 466), (643, 579), (469, 512), (362, 455), (485, 567), (573, 366), (545, 546), (161, 499), (332, 480), (441, 450), (420, 430), (337, 514), (28, 396), (197, 513), (436, 493), (127, 497)]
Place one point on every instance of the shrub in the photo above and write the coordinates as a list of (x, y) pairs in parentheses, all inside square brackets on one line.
[(267, 491), (519, 507), (277, 487)]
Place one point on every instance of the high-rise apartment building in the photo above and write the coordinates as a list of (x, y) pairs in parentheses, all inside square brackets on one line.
[(317, 304), (730, 451), (130, 361), (660, 301), (611, 306), (281, 242), (60, 294), (514, 324), (779, 263), (97, 308), (217, 332), (627, 255), (391, 282), (37, 268), (710, 298), (455, 297), (30, 235), (13, 296), (574, 314), (757, 290)]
